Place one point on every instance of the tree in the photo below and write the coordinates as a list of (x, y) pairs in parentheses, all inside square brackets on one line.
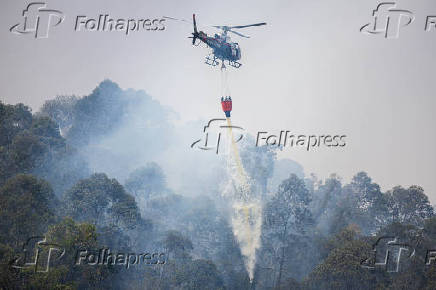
[(258, 162), (177, 244), (346, 235), (146, 181), (429, 235), (65, 273), (27, 152), (25, 208), (97, 113), (200, 274), (13, 119), (282, 169), (60, 110), (33, 145), (287, 218), (56, 162), (326, 199), (410, 205), (47, 132), (184, 272), (342, 269), (101, 201), (20, 150), (363, 204), (412, 258)]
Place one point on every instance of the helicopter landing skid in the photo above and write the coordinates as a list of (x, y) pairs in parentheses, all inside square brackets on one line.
[(211, 61), (235, 64)]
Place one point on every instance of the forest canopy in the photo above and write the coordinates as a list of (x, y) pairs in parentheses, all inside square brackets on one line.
[(315, 234)]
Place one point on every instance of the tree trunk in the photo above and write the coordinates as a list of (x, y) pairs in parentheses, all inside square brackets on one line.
[(282, 260)]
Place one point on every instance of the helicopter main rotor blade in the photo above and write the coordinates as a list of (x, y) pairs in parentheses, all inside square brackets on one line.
[(240, 34), (177, 19), (220, 27), (243, 26), (190, 22)]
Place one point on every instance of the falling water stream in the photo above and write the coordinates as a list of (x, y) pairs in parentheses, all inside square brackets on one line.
[(246, 206)]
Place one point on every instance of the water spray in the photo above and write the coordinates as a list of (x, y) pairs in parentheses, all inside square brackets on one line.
[(247, 210)]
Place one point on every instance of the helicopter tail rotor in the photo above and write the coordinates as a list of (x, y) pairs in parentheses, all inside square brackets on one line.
[(195, 34), (195, 23)]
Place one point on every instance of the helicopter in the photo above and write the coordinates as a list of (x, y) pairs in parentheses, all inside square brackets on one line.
[(222, 47)]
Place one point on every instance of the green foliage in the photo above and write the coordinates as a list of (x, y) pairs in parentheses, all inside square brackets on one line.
[(60, 110), (24, 208), (101, 201), (26, 152), (199, 274), (96, 114), (63, 273), (364, 204), (409, 205), (288, 210), (315, 234), (327, 196), (287, 221), (346, 235), (73, 237), (33, 145), (342, 268), (177, 244), (13, 119), (146, 181)]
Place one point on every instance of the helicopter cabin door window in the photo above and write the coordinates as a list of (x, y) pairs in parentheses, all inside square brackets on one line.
[(234, 50)]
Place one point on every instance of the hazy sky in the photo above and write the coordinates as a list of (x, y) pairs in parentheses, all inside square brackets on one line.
[(309, 71)]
